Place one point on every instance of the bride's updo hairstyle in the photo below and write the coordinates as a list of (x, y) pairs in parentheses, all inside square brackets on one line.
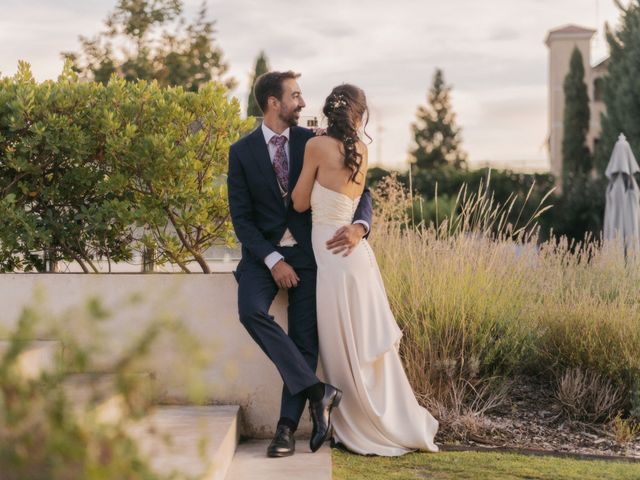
[(345, 108)]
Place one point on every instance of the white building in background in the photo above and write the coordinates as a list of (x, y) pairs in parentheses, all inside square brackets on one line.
[(561, 42)]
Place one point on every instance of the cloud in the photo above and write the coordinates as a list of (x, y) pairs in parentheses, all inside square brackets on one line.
[(503, 34)]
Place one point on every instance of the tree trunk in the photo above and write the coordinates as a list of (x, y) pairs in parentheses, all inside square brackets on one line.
[(202, 262), (148, 260)]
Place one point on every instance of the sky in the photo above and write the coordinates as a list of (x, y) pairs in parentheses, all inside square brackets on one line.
[(492, 53)]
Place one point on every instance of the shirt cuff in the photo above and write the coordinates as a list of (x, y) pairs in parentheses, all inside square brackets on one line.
[(273, 258), (363, 223)]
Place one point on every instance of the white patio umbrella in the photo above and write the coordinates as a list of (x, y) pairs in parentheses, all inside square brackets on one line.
[(622, 211)]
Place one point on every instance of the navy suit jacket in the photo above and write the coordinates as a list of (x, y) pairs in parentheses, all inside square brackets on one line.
[(259, 213)]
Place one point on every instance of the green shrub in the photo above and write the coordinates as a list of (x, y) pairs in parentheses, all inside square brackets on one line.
[(435, 191), (58, 200), (92, 171), (578, 211)]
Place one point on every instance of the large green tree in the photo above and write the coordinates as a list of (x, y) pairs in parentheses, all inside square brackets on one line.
[(437, 138), (621, 86), (151, 40), (262, 66), (576, 157)]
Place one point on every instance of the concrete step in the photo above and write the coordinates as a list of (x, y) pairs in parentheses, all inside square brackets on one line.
[(37, 357), (251, 462), (196, 441)]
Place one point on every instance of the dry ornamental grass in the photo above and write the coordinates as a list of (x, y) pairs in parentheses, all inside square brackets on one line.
[(481, 300)]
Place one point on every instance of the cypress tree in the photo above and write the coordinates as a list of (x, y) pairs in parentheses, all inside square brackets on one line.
[(576, 157), (262, 66)]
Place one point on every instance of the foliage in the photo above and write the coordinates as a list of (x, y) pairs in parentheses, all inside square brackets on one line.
[(56, 194), (576, 157), (436, 191), (94, 171), (46, 432), (478, 297), (138, 45), (586, 395), (262, 66), (621, 86), (578, 212), (172, 146), (625, 430), (375, 175), (435, 134), (634, 399)]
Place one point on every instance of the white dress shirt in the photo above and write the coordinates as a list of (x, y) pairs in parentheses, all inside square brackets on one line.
[(287, 239)]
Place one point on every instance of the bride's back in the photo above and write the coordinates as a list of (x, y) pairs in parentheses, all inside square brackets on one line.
[(332, 171)]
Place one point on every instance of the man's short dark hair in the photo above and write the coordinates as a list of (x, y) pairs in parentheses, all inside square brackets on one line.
[(270, 85)]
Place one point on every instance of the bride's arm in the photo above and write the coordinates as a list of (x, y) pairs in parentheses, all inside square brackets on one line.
[(301, 195)]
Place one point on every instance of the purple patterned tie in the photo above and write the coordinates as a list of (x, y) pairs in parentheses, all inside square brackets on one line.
[(280, 162)]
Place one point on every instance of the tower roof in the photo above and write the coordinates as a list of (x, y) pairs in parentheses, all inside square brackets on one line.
[(570, 31)]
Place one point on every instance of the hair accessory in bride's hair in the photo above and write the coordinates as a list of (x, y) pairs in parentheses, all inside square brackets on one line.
[(339, 101)]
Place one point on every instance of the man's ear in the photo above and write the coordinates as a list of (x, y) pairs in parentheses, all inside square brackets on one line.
[(273, 102)]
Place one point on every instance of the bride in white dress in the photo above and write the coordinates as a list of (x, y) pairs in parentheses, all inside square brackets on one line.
[(358, 334)]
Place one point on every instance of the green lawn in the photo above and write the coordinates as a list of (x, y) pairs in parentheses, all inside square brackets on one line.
[(477, 466)]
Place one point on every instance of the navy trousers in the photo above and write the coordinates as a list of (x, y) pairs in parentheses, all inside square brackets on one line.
[(295, 354)]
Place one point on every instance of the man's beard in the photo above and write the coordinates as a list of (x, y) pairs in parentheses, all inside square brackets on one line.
[(290, 118)]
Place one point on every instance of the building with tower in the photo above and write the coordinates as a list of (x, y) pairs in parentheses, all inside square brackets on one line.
[(561, 42)]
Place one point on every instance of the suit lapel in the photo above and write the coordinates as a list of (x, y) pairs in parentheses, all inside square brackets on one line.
[(261, 155), (296, 154)]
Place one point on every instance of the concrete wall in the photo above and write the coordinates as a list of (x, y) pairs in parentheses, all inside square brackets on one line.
[(239, 373)]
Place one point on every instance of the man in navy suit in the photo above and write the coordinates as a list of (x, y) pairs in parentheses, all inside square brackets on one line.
[(277, 253)]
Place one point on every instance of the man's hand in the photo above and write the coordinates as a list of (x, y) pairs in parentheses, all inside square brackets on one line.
[(346, 238), (284, 275), (319, 131)]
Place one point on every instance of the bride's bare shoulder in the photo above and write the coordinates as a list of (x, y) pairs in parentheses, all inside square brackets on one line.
[(322, 141), (323, 144)]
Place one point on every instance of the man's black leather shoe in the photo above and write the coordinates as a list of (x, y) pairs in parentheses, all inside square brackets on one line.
[(283, 443), (320, 412)]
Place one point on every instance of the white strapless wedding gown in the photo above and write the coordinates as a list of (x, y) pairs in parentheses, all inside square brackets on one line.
[(359, 340)]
